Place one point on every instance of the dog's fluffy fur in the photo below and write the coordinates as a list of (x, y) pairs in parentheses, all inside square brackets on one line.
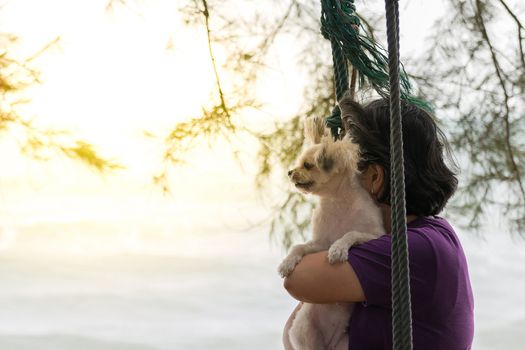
[(346, 215)]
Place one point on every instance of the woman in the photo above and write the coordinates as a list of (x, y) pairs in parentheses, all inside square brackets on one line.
[(442, 302)]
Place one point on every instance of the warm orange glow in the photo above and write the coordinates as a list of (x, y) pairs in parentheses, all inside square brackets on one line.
[(110, 77)]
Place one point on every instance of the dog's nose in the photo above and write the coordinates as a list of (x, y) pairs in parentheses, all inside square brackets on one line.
[(290, 172)]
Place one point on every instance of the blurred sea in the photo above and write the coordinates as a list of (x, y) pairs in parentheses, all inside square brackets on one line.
[(62, 288), (201, 290)]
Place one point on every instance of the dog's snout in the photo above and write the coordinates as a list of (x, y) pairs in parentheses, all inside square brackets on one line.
[(290, 172)]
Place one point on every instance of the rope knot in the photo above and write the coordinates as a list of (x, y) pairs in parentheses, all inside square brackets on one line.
[(333, 121)]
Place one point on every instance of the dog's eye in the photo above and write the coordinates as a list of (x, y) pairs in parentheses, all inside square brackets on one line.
[(308, 166)]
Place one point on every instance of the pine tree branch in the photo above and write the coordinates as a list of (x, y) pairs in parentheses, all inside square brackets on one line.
[(520, 29), (206, 15), (499, 72)]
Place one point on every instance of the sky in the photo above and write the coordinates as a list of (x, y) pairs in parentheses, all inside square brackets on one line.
[(108, 80), (114, 75)]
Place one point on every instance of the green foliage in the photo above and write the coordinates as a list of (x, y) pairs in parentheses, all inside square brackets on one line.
[(280, 147), (291, 221), (185, 136), (477, 82), (249, 46), (45, 144), (279, 150), (15, 76), (85, 152)]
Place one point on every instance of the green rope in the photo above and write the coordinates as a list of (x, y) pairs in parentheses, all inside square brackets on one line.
[(340, 24), (341, 85), (333, 121)]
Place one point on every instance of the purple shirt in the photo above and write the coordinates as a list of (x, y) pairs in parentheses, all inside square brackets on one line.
[(441, 295)]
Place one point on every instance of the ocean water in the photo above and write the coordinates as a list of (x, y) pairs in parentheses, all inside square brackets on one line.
[(198, 291), (194, 290)]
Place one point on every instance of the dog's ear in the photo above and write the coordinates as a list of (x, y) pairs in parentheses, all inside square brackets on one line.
[(324, 160), (350, 112), (315, 129)]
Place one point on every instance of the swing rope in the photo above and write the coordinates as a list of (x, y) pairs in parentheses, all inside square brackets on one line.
[(340, 25), (341, 85), (401, 308)]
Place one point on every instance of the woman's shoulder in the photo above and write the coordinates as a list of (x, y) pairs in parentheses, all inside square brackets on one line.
[(434, 222), (432, 229), (424, 229), (428, 238), (432, 240)]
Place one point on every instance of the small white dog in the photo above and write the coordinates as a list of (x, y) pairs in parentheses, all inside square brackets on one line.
[(346, 215)]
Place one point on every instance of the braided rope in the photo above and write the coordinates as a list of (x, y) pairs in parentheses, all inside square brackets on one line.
[(341, 85), (340, 70), (401, 309), (340, 63)]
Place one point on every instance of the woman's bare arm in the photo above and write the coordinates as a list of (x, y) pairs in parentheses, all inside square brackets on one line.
[(316, 281)]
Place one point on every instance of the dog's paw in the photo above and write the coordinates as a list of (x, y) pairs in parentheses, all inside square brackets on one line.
[(288, 265), (338, 252)]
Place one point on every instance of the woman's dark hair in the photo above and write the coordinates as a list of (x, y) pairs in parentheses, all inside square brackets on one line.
[(429, 182)]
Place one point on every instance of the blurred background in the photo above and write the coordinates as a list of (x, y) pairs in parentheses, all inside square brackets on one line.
[(144, 147)]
